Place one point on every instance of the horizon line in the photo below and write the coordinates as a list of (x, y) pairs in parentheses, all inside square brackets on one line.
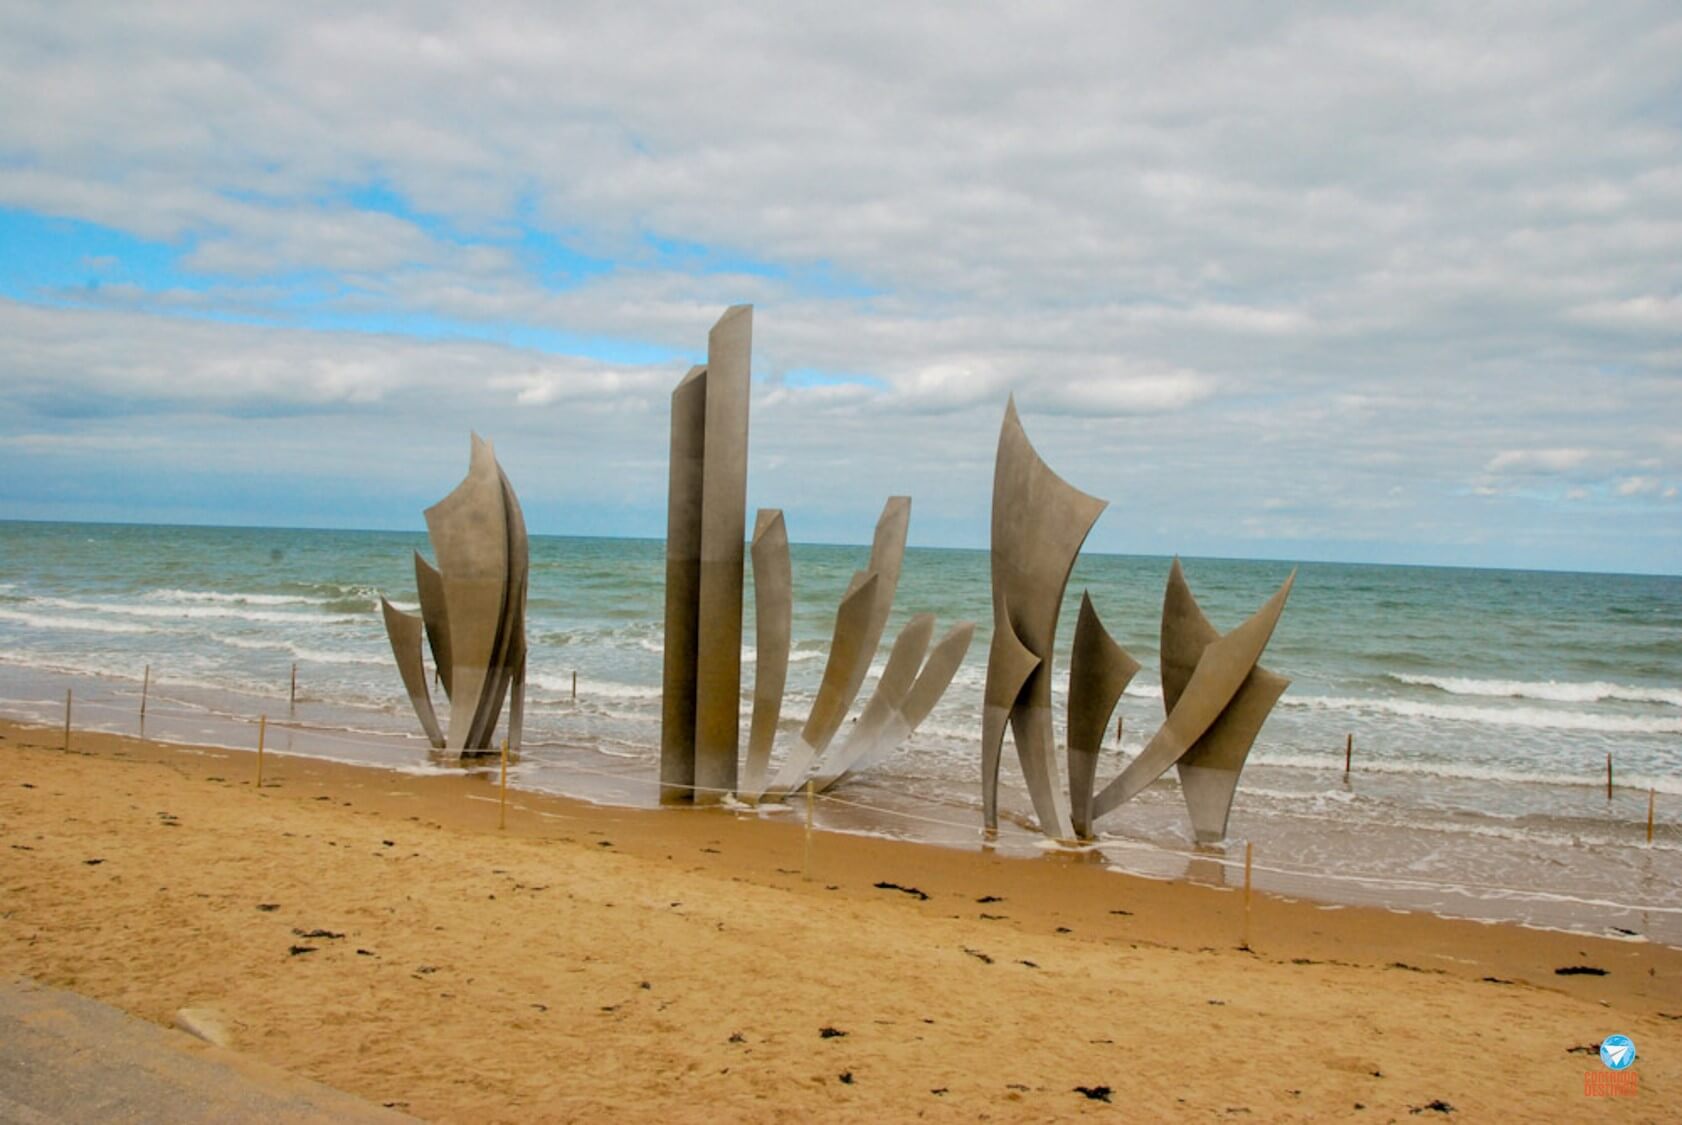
[(1281, 560)]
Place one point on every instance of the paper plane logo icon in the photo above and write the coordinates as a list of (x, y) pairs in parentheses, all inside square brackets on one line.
[(1617, 1052)]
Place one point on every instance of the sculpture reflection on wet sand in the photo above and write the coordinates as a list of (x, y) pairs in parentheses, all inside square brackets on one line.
[(472, 611), (1215, 694), (700, 707)]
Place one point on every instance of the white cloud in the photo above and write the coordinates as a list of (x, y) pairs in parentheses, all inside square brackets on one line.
[(1637, 486), (1537, 460), (1220, 257)]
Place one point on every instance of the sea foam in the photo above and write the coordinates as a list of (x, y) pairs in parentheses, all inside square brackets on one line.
[(1541, 718), (1555, 691)]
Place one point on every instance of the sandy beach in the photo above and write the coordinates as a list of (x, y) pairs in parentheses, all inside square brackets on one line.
[(379, 933)]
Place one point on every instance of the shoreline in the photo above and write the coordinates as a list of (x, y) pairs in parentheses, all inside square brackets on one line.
[(576, 906), (1494, 872)]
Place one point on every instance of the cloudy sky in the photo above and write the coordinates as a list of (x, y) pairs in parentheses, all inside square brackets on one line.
[(1277, 280)]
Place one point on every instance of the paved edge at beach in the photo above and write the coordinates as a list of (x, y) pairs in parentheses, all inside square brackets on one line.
[(67, 1059)]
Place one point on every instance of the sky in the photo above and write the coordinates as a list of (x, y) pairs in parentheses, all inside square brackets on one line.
[(1295, 281)]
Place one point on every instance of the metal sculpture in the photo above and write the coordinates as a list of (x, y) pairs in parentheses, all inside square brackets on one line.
[(1220, 670), (1209, 769), (1215, 693), (404, 630), (473, 607), (1039, 524), (846, 656), (859, 623), (773, 614), (896, 708), (683, 586), (1099, 670), (700, 722)]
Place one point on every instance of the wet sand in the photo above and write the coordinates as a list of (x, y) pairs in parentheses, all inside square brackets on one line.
[(377, 932)]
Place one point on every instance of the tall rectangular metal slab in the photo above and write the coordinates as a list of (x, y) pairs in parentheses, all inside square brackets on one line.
[(683, 586), (724, 498)]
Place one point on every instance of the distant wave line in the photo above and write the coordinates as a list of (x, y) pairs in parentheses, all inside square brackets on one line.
[(190, 612), (1539, 718), (1556, 691), (74, 624), (1592, 778), (230, 598)]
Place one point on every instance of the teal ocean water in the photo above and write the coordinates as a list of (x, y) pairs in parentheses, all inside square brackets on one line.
[(1482, 703)]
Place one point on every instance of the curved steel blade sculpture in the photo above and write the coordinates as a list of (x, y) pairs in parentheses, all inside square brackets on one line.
[(473, 608), (874, 739), (1216, 695), (887, 556), (1009, 664), (404, 630), (429, 584), (846, 653), (773, 613), (904, 659), (858, 633), (1039, 524), (510, 659), (1209, 770), (1099, 669), (469, 531), (1222, 668)]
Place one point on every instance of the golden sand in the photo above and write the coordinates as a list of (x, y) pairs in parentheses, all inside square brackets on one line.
[(377, 932)]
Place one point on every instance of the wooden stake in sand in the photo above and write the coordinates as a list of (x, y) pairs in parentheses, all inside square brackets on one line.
[(502, 811), (1348, 753), (67, 720), (1249, 854), (1608, 775), (575, 685), (1652, 798), (262, 729), (292, 699), (145, 687), (806, 863)]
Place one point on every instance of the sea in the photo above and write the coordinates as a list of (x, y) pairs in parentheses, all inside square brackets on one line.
[(1479, 708)]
